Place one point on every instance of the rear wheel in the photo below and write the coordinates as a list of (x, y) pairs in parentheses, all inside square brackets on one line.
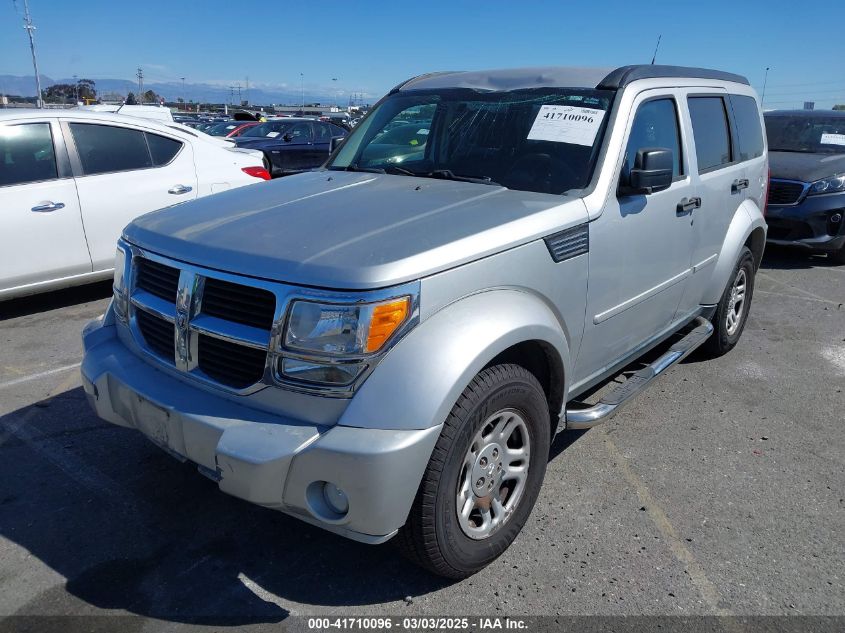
[(732, 311), (484, 474)]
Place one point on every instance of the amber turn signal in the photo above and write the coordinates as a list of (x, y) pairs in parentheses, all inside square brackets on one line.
[(387, 317)]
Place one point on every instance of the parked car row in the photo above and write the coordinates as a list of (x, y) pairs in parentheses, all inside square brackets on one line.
[(70, 180)]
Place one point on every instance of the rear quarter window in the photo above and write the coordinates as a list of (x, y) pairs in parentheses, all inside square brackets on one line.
[(749, 133), (162, 149), (105, 148)]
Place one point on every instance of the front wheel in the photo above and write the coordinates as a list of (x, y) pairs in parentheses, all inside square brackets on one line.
[(484, 474), (732, 311)]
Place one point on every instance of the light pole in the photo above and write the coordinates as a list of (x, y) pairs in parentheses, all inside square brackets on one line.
[(184, 96), (27, 24), (302, 90), (76, 88), (765, 79), (334, 79)]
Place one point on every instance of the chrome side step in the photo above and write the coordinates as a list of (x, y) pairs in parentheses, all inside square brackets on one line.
[(640, 380)]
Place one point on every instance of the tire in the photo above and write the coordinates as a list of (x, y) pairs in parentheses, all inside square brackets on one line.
[(726, 335), (434, 536)]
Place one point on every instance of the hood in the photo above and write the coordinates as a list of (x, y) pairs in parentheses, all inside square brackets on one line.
[(351, 230), (804, 166)]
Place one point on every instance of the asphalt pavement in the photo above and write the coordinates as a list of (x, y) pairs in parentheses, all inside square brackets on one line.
[(717, 492)]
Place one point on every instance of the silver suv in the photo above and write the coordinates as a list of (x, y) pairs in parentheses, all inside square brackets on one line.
[(386, 346)]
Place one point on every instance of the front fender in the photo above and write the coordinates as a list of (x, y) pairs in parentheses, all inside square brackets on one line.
[(746, 220), (418, 382)]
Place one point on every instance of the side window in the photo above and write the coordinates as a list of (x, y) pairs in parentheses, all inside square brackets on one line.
[(710, 129), (162, 149), (106, 148), (26, 154), (301, 132), (655, 125), (322, 133), (748, 130)]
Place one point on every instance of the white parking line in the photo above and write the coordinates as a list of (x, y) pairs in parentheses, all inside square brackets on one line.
[(43, 374)]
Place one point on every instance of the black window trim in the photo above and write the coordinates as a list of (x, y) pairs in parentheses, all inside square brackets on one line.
[(682, 163), (731, 130), (76, 162), (60, 154)]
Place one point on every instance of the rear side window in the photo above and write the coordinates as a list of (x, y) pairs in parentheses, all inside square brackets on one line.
[(322, 132), (162, 149), (26, 154), (106, 148), (655, 125), (748, 131), (710, 129)]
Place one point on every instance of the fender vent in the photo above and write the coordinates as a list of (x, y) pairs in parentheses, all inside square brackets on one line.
[(569, 243)]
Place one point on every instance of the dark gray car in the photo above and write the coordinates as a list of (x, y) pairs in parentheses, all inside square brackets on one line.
[(807, 188)]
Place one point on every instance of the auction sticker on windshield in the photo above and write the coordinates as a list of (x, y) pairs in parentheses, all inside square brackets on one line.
[(566, 124), (833, 139)]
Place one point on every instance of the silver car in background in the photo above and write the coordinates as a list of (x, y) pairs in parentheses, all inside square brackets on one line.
[(388, 345)]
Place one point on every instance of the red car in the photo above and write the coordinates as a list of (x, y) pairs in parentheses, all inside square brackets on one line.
[(230, 129)]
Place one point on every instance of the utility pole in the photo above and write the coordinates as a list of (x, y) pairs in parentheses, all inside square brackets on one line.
[(247, 90), (76, 89), (239, 95), (302, 88), (334, 82), (763, 96), (140, 76), (184, 96), (27, 24)]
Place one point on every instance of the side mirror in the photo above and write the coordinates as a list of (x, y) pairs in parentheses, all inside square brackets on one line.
[(287, 138), (652, 171), (335, 142)]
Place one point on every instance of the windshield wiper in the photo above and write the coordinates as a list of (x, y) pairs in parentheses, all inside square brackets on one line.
[(447, 174), (390, 169)]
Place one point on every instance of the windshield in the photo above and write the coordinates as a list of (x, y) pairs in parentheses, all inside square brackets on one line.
[(271, 129), (222, 129), (543, 139), (825, 135)]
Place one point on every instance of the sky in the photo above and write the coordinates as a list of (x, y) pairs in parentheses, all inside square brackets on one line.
[(371, 46)]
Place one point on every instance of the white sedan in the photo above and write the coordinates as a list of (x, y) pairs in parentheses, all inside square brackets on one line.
[(71, 180)]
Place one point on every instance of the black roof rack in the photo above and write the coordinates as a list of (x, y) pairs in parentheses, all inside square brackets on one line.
[(626, 74)]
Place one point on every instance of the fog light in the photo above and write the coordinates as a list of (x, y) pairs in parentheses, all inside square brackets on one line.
[(335, 498), (836, 218)]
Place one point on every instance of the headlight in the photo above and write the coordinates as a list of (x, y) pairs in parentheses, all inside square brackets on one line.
[(331, 342), (828, 185), (344, 330), (121, 295)]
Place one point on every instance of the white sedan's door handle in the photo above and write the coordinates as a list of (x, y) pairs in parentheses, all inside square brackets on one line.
[(47, 206), (179, 189)]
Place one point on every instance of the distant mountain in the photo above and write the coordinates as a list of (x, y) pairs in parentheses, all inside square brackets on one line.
[(204, 93)]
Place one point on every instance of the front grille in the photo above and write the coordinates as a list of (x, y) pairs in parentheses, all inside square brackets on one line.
[(158, 333), (242, 304), (785, 192), (231, 364), (157, 279)]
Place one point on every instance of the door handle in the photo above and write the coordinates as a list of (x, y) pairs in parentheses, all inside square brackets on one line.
[(739, 184), (688, 204), (47, 206), (177, 190)]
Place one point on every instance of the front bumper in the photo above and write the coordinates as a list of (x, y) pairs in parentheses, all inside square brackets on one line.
[(258, 456), (809, 224)]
